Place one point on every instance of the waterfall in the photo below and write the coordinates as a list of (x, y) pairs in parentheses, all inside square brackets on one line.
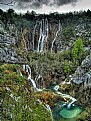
[(46, 29), (42, 43), (40, 37), (28, 70), (59, 29), (43, 35), (65, 95)]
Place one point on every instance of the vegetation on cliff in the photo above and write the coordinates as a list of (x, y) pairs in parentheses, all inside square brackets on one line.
[(19, 100)]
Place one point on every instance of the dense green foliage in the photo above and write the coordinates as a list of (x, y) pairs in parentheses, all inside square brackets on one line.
[(28, 19), (78, 50), (18, 103)]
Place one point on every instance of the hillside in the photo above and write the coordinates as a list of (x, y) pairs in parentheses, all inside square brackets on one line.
[(45, 66)]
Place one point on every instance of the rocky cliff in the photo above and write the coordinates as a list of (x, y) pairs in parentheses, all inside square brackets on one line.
[(83, 73), (8, 50)]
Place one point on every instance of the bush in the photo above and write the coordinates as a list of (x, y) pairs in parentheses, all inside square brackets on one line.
[(78, 51)]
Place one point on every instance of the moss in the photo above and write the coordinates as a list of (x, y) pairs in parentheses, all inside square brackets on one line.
[(85, 115), (12, 67)]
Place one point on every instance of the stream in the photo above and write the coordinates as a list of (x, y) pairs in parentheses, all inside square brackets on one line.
[(67, 110), (65, 96)]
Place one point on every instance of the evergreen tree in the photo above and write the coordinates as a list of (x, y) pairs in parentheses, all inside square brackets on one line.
[(78, 51)]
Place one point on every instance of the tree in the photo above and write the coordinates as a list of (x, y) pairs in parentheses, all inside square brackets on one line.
[(78, 51), (10, 11), (88, 13), (1, 11), (10, 15)]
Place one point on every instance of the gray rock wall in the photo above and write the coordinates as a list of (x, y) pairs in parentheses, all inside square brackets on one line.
[(8, 51), (83, 72)]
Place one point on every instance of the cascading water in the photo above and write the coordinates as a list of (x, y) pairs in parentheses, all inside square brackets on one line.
[(47, 29), (65, 110), (28, 70), (59, 30), (65, 96), (43, 35), (40, 37)]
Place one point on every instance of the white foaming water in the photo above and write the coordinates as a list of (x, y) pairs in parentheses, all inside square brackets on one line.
[(65, 96), (40, 37), (28, 70), (43, 35), (56, 87)]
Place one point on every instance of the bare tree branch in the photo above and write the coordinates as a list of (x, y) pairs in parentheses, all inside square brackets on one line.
[(11, 3)]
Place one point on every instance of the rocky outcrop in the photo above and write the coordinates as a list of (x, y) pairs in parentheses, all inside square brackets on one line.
[(8, 50), (83, 72)]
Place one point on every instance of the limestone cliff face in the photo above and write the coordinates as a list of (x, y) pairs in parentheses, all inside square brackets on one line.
[(83, 72), (42, 36), (8, 50)]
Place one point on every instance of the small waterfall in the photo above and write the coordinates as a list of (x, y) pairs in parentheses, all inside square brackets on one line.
[(59, 29), (43, 35), (47, 29), (28, 70), (42, 43), (65, 96)]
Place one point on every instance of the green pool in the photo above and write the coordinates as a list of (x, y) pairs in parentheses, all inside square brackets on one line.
[(70, 113)]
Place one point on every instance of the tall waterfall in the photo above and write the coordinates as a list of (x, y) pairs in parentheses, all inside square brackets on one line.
[(28, 70), (43, 34), (40, 37), (47, 29), (59, 29)]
